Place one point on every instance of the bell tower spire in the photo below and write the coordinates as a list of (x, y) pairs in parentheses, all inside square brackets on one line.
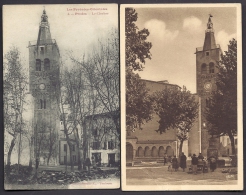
[(209, 42), (44, 36)]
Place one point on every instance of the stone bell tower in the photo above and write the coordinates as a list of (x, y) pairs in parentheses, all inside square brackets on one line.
[(44, 58), (207, 58)]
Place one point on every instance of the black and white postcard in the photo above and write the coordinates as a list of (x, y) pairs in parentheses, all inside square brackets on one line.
[(61, 96)]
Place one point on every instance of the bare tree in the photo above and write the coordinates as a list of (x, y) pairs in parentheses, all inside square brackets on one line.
[(15, 82), (101, 68), (81, 101), (105, 58)]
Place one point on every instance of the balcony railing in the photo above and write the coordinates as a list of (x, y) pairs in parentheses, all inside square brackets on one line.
[(201, 48), (42, 42)]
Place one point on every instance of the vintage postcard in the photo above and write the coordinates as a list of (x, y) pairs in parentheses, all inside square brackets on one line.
[(181, 97), (61, 96)]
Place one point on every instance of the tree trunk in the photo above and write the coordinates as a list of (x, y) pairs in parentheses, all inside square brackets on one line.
[(71, 156), (19, 153), (180, 148), (79, 160), (10, 151), (30, 154), (70, 152), (7, 169), (233, 150)]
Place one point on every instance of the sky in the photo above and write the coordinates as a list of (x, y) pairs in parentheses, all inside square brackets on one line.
[(175, 33), (71, 32)]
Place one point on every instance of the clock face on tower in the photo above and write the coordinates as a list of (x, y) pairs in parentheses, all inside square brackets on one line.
[(42, 86), (207, 86)]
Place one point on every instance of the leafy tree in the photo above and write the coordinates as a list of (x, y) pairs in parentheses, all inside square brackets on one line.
[(138, 102), (177, 109), (137, 48), (222, 112)]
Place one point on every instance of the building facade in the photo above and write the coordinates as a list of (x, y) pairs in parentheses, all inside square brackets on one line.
[(147, 144), (103, 140), (44, 59)]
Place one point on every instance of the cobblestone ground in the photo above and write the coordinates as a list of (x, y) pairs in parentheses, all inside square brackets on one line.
[(160, 175)]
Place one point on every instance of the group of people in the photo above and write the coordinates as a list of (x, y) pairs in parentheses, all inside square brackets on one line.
[(195, 162), (174, 162)]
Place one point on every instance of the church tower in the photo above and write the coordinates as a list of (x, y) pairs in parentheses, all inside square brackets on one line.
[(44, 58), (206, 61)]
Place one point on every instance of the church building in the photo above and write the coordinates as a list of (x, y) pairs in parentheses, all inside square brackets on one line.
[(148, 145)]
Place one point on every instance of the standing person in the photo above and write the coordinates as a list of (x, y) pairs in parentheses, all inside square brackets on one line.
[(194, 162), (165, 159), (169, 162), (213, 163), (175, 163), (183, 161), (200, 156)]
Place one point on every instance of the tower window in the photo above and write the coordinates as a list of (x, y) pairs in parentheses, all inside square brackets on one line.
[(208, 102), (38, 65), (211, 67), (207, 53), (42, 104), (41, 50), (46, 64), (204, 68)]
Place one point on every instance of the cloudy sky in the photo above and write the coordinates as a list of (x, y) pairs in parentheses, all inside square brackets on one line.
[(72, 32), (175, 33)]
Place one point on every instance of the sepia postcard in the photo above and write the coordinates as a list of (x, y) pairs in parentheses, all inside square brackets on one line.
[(181, 97), (61, 97)]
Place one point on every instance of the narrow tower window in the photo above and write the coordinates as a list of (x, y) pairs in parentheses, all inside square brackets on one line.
[(211, 67), (41, 50), (46, 64), (41, 104), (38, 65), (208, 102), (204, 69), (44, 103)]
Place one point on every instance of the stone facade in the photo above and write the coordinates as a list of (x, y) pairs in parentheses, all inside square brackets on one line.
[(207, 58), (44, 58), (102, 140), (147, 144)]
